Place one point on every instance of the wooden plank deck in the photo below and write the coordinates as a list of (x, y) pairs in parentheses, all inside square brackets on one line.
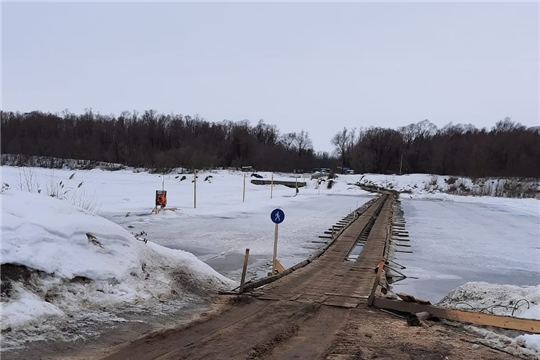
[(331, 280)]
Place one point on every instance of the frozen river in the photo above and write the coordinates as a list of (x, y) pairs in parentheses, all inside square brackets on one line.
[(454, 239), (454, 242)]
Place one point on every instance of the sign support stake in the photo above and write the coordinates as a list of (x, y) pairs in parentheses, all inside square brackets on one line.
[(272, 186), (244, 269), (244, 193), (275, 249), (195, 189)]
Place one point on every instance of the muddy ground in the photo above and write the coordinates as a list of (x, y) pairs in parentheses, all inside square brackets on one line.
[(249, 328)]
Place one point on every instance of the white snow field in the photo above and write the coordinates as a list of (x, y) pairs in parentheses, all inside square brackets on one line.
[(454, 239)]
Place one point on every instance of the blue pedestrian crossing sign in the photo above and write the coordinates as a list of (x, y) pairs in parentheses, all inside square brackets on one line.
[(277, 216)]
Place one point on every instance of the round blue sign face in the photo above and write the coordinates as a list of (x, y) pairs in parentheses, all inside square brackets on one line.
[(277, 216)]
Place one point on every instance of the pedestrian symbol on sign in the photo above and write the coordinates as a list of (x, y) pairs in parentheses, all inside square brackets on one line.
[(277, 216)]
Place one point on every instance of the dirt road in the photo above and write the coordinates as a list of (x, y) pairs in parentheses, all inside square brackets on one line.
[(262, 329)]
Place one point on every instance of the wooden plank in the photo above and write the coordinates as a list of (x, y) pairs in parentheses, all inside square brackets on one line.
[(296, 297), (406, 297), (346, 295), (505, 322), (343, 303), (279, 267), (376, 283)]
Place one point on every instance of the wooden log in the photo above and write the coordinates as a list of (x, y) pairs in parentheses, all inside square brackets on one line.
[(290, 184), (505, 322), (272, 278)]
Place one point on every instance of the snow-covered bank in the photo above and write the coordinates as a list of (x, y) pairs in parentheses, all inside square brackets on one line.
[(426, 186), (509, 300), (59, 260)]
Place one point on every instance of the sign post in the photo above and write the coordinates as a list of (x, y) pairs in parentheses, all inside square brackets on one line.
[(244, 269), (195, 189), (272, 186), (277, 217), (244, 193)]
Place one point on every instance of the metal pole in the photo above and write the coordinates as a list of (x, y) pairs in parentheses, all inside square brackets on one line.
[(275, 250), (244, 269)]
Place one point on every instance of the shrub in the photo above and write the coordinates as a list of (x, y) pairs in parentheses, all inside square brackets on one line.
[(451, 180)]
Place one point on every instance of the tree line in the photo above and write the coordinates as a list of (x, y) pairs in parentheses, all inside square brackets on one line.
[(158, 141), (508, 149)]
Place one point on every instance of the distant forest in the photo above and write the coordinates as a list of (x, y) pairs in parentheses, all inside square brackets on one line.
[(160, 142)]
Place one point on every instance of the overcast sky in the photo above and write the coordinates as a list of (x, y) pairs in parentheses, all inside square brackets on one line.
[(313, 66)]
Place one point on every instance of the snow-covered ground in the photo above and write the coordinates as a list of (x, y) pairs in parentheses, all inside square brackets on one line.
[(432, 186), (455, 239), (59, 261)]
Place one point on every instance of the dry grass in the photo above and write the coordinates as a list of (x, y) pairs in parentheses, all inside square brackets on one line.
[(63, 190)]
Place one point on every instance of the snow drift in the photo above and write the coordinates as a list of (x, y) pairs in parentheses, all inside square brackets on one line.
[(510, 300), (58, 259)]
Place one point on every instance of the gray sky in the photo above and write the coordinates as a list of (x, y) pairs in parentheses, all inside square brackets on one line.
[(312, 66)]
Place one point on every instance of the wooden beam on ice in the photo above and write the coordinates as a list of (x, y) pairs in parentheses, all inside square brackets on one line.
[(505, 322)]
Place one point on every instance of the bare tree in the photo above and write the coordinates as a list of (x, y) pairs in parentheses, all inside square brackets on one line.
[(344, 142), (288, 140), (303, 142)]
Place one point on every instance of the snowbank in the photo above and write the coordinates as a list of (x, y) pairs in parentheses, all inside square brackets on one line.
[(79, 261), (510, 300), (424, 185)]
